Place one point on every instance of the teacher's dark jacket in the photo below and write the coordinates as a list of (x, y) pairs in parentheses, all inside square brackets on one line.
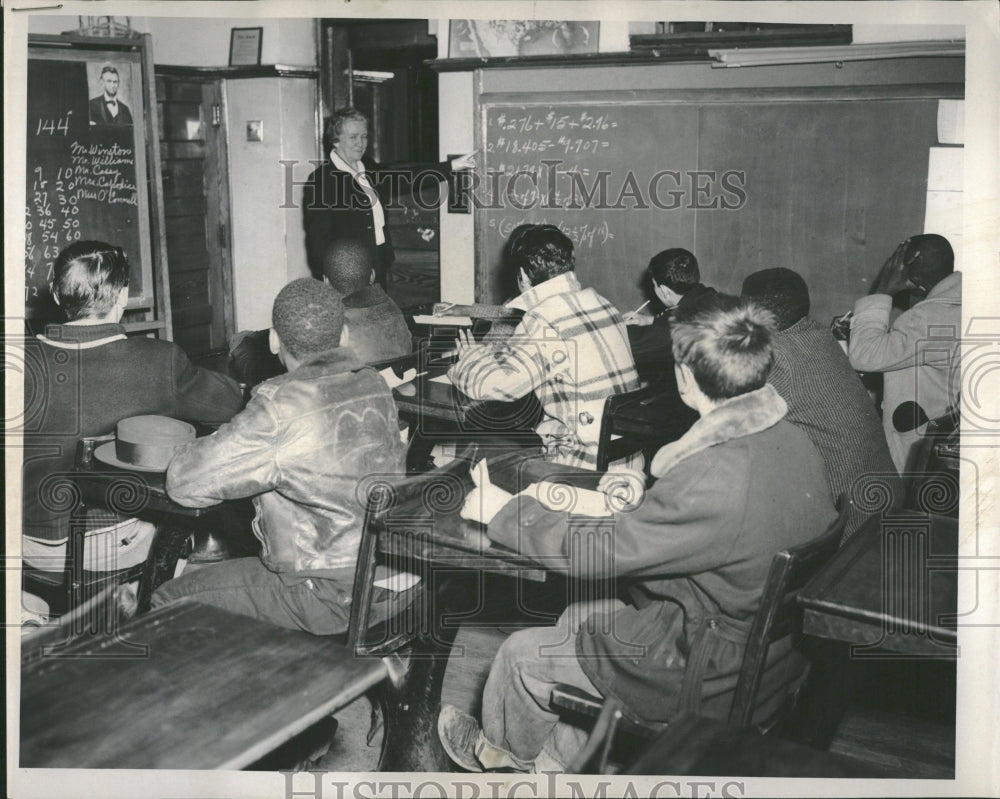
[(335, 207), (739, 486)]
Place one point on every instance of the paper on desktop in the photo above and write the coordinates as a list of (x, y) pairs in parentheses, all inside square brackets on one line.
[(441, 379), (443, 321), (393, 580), (392, 380)]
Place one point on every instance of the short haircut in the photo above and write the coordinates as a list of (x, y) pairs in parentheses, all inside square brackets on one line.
[(87, 278), (727, 346), (109, 68), (929, 259), (348, 264), (335, 125), (781, 291), (542, 251), (676, 268), (308, 316)]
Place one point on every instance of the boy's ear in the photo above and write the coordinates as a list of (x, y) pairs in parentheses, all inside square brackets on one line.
[(123, 297), (274, 343), (52, 291)]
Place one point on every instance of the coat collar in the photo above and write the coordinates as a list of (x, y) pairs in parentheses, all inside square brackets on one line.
[(81, 336), (344, 166), (560, 284), (735, 418), (948, 289)]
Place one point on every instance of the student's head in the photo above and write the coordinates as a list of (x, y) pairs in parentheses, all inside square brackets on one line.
[(674, 273), (348, 265), (307, 319), (781, 291), (346, 132), (725, 348), (536, 253), (90, 281), (928, 259), (109, 80)]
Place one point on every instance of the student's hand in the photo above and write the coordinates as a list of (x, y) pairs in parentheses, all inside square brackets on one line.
[(484, 501), (467, 161), (892, 277), (465, 343), (641, 319), (624, 488)]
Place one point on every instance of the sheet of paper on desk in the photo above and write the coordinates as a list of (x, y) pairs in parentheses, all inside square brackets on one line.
[(443, 321), (441, 379), (393, 580), (562, 497), (392, 380)]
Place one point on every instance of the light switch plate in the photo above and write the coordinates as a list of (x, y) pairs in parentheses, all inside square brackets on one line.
[(255, 130)]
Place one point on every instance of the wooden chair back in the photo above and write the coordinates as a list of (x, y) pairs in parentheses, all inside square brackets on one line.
[(779, 614), (382, 497)]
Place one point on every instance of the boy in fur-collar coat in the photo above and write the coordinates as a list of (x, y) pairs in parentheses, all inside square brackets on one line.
[(692, 556)]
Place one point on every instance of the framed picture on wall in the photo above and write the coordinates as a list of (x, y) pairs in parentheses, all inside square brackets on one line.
[(495, 38), (245, 46)]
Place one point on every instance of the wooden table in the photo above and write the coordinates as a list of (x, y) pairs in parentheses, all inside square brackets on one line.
[(891, 588), (186, 686), (433, 532)]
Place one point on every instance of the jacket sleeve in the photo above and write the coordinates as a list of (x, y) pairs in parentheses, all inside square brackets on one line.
[(510, 371), (202, 395), (678, 528), (877, 346), (238, 460)]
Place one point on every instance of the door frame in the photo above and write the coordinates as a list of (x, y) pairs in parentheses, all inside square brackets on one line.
[(217, 190)]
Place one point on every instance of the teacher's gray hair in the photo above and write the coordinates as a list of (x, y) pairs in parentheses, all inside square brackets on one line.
[(335, 124)]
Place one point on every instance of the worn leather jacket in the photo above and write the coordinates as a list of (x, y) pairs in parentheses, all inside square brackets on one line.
[(305, 448)]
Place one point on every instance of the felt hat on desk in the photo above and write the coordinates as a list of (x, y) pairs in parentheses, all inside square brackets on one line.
[(145, 443)]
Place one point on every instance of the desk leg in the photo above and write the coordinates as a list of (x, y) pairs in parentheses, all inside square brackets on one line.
[(411, 712), (825, 695), (168, 544)]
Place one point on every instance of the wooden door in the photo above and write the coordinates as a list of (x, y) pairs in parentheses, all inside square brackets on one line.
[(196, 200)]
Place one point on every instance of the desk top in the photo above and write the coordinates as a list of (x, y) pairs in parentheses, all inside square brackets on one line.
[(131, 493), (429, 527), (892, 586), (185, 686)]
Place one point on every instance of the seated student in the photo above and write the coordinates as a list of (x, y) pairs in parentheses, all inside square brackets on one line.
[(692, 554), (300, 448), (825, 396), (376, 328), (570, 348), (675, 280), (92, 377), (916, 352)]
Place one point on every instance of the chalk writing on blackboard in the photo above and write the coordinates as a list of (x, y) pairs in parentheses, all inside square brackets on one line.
[(81, 177)]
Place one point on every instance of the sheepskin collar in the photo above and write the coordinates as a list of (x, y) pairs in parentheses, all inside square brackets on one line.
[(737, 417)]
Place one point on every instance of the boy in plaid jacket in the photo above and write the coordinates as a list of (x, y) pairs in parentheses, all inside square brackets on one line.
[(571, 348)]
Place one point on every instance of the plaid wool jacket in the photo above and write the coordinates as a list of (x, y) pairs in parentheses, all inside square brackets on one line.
[(572, 349)]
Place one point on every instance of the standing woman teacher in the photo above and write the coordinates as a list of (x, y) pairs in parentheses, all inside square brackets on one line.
[(347, 196)]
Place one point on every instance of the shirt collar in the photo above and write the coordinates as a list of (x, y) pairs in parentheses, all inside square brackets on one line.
[(560, 284), (341, 164)]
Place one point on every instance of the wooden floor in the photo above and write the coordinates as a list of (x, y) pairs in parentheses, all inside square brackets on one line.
[(910, 748)]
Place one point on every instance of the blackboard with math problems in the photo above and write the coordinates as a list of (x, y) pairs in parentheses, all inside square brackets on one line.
[(822, 181), (86, 171)]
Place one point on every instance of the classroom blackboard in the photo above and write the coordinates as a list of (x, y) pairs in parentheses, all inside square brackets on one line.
[(824, 183), (85, 175)]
